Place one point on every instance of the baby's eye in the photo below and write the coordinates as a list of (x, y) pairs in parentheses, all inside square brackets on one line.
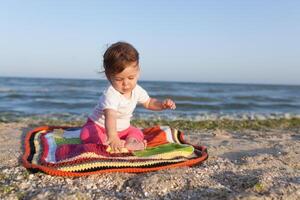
[(131, 78), (118, 79)]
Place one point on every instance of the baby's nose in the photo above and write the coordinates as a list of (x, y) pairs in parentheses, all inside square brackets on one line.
[(125, 82)]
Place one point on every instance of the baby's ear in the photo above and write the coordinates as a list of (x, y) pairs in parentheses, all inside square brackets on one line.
[(138, 67)]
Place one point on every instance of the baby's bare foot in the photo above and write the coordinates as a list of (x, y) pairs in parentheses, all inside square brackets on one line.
[(134, 145)]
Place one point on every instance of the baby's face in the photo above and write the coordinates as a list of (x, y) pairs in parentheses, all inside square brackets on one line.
[(125, 81)]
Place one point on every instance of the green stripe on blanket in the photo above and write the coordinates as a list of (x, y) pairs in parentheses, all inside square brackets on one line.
[(61, 141), (165, 148)]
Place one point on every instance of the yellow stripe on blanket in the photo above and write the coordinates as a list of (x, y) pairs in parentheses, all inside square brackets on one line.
[(38, 148), (91, 165)]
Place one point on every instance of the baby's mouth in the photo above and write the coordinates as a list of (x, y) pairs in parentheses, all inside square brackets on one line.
[(124, 91)]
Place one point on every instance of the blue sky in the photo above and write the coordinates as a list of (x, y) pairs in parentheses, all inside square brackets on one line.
[(203, 41)]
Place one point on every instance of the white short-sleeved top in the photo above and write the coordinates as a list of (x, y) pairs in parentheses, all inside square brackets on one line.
[(112, 99)]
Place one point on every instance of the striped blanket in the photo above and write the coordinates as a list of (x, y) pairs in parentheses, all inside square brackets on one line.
[(59, 151)]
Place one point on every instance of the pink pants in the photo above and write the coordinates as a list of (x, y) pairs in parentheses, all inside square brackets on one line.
[(93, 133)]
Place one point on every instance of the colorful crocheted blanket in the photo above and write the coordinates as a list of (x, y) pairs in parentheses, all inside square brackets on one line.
[(59, 151)]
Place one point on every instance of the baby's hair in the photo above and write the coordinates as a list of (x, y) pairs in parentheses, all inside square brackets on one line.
[(117, 57)]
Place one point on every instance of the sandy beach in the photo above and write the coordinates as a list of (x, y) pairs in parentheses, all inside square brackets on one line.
[(242, 164)]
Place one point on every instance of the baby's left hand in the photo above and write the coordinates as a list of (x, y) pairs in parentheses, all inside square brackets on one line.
[(169, 104)]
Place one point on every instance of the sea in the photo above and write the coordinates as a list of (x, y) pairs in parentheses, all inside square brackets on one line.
[(74, 99)]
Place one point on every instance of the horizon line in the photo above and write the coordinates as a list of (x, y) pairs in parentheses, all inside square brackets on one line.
[(147, 80)]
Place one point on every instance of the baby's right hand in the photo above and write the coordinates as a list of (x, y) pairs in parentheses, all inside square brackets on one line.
[(168, 104), (116, 144)]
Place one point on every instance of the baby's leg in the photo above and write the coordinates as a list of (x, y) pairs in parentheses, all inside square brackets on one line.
[(135, 139), (92, 133)]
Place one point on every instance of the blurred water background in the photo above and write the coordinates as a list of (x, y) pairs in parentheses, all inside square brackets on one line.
[(71, 99)]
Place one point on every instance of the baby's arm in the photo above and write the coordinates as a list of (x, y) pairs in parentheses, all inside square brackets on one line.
[(112, 135), (154, 104)]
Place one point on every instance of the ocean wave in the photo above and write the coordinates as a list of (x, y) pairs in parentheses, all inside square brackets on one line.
[(262, 98), (218, 116), (188, 98), (4, 89), (17, 116)]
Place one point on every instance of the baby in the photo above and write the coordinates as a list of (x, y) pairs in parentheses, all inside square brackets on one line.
[(109, 123)]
